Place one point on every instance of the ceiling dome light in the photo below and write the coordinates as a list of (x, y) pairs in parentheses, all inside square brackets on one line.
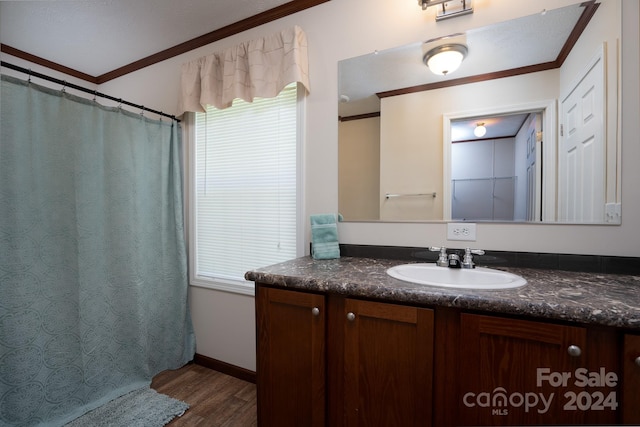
[(480, 130), (445, 59)]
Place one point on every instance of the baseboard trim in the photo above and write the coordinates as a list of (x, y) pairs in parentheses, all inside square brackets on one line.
[(225, 368)]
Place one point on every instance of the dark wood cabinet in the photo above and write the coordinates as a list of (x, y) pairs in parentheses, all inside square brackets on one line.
[(291, 358), (521, 372), (515, 372), (631, 380), (380, 362), (332, 360), (388, 364)]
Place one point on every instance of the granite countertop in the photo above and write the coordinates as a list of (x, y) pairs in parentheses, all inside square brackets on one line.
[(589, 298)]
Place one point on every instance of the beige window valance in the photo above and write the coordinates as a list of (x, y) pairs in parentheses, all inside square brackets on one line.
[(257, 68)]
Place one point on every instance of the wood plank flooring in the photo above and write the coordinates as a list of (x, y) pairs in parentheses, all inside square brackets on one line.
[(215, 399)]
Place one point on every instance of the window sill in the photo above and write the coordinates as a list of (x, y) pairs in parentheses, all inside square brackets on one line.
[(243, 287)]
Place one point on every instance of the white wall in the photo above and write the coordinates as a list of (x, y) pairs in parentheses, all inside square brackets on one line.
[(410, 157), (340, 29), (44, 70), (411, 136), (359, 169)]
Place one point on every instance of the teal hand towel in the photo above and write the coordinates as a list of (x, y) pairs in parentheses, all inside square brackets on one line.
[(324, 237)]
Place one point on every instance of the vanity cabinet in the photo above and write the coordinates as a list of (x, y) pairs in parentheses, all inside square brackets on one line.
[(516, 372), (631, 380), (290, 376), (388, 365), (378, 364), (526, 372), (333, 360)]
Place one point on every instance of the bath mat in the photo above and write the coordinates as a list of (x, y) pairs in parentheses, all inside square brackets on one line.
[(140, 408)]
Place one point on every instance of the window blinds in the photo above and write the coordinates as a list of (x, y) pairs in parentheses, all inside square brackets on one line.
[(245, 186)]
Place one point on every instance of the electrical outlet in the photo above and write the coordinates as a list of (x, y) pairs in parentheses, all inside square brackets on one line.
[(613, 211), (461, 231)]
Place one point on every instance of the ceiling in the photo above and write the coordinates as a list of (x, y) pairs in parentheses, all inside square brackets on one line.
[(535, 39), (500, 126), (98, 36)]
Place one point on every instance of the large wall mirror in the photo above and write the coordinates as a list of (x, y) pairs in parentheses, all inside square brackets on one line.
[(526, 129)]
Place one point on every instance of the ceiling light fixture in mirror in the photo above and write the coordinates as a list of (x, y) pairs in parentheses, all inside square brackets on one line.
[(445, 59)]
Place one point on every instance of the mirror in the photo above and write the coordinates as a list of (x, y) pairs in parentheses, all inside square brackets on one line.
[(545, 87)]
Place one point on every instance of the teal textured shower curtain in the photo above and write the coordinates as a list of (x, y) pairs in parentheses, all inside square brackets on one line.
[(93, 276)]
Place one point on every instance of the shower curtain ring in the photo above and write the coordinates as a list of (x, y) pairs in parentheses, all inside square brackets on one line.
[(95, 95), (120, 103), (29, 79), (142, 111), (64, 86)]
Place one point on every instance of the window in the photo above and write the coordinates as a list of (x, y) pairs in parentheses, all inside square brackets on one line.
[(244, 190)]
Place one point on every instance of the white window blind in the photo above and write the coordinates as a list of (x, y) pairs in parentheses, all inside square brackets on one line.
[(245, 208)]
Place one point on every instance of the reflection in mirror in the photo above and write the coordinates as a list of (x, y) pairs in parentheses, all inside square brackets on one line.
[(495, 168), (553, 74)]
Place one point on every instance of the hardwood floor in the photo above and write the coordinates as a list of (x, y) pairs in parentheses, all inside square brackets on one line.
[(215, 399)]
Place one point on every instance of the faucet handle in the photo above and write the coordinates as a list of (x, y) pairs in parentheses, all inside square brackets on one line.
[(467, 262), (470, 251), (442, 259)]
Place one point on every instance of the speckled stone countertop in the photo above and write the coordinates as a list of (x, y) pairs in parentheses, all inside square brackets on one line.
[(589, 298)]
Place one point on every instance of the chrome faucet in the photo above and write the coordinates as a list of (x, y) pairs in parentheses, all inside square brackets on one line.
[(453, 260), (443, 260), (467, 261)]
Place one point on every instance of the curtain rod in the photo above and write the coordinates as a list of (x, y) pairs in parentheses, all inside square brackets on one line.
[(64, 84)]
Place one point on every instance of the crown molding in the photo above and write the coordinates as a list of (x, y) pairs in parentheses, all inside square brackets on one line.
[(213, 36)]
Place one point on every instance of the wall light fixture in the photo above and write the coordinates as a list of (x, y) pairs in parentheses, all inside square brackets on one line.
[(450, 8)]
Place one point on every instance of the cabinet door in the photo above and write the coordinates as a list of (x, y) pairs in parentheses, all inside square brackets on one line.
[(388, 361), (290, 358), (631, 380), (517, 372)]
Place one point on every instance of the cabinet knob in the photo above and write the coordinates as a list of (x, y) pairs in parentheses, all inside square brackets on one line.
[(637, 361), (351, 317), (315, 311), (574, 351)]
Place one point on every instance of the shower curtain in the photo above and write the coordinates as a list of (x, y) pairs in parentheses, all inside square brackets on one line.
[(93, 276)]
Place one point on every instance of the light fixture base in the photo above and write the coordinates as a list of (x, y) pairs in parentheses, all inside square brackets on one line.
[(452, 9)]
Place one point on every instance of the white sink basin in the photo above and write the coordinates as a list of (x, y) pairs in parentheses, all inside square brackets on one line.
[(476, 278)]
